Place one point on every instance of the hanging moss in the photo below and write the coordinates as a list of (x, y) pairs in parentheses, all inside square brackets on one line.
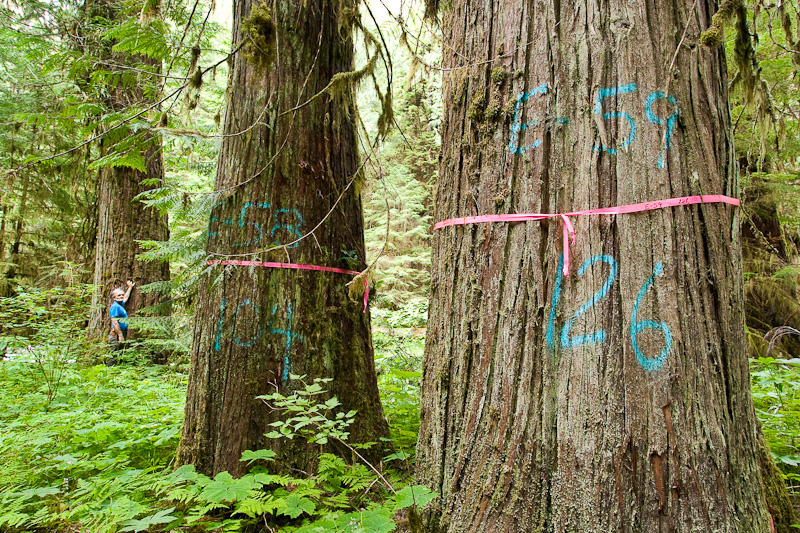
[(477, 107), (494, 109), (259, 30), (499, 75), (748, 74), (194, 58), (713, 36), (431, 9), (196, 81), (745, 55)]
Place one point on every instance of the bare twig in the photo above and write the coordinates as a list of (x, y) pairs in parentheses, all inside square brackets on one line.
[(776, 333)]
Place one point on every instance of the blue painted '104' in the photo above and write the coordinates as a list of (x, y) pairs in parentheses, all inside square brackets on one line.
[(289, 335)]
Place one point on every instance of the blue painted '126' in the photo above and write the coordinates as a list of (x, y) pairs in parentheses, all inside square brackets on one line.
[(599, 336), (649, 364)]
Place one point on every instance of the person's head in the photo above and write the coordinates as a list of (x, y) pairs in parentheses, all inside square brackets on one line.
[(118, 294)]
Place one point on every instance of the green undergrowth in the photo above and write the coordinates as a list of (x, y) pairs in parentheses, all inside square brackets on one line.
[(776, 395), (399, 340), (95, 452)]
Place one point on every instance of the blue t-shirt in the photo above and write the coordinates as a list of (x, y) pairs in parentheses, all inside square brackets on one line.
[(118, 311)]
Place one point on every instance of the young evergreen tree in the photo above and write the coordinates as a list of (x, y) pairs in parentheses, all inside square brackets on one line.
[(288, 168), (617, 398)]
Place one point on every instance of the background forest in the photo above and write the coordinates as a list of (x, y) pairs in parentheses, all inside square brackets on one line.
[(87, 88)]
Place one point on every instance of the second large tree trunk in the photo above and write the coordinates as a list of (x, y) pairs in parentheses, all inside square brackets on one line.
[(123, 221), (615, 399), (281, 172)]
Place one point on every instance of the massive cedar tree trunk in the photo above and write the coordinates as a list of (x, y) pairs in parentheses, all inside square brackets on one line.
[(281, 172), (615, 399), (122, 219)]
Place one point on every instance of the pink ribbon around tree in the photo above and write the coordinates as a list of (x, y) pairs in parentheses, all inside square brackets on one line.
[(569, 231), (294, 266)]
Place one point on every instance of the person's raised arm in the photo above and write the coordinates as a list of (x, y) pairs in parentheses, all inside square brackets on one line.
[(128, 292)]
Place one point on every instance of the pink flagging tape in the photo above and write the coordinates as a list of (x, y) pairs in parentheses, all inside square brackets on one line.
[(567, 225), (294, 266)]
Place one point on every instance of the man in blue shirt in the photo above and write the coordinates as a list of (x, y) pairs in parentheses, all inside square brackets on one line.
[(119, 326)]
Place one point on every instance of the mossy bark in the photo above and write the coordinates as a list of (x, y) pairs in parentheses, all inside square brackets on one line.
[(286, 165), (18, 223), (615, 399)]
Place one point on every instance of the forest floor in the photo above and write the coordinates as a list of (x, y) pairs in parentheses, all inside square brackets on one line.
[(92, 447)]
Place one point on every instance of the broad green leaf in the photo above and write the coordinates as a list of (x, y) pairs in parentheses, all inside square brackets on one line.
[(250, 455), (225, 489), (401, 455), (416, 495), (297, 505), (377, 521), (161, 517)]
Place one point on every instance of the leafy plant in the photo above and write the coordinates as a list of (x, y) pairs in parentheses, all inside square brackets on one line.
[(100, 459), (776, 395), (45, 326)]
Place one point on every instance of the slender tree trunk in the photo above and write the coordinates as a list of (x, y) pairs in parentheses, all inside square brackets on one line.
[(14, 255), (3, 230), (615, 399), (282, 171)]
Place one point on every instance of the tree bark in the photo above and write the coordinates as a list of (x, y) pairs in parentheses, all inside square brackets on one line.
[(284, 168), (615, 399)]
